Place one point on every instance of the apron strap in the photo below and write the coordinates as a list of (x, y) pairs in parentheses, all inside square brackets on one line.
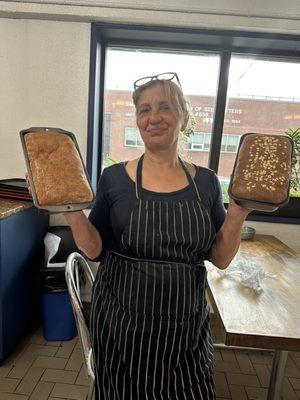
[(190, 179), (138, 182)]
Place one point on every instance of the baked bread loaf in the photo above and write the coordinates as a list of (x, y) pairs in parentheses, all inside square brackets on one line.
[(262, 169), (58, 174)]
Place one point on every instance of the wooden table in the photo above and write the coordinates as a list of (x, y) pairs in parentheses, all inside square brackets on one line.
[(270, 319)]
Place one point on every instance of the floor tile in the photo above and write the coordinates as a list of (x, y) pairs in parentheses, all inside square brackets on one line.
[(295, 383), (244, 362), (228, 355), (82, 378), (261, 357), (22, 365), (13, 396), (50, 362), (4, 370), (292, 372), (75, 361), (288, 392), (226, 366), (74, 392), (237, 392), (30, 381), (42, 391), (263, 374), (66, 347), (8, 385), (41, 350), (222, 388), (256, 393), (58, 375), (242, 379)]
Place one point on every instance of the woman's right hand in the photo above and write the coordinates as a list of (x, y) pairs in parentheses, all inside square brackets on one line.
[(27, 182)]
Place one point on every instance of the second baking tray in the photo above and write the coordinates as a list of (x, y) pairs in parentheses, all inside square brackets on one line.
[(60, 208), (253, 204)]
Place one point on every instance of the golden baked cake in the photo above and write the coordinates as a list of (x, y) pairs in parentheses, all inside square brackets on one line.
[(262, 170), (58, 174)]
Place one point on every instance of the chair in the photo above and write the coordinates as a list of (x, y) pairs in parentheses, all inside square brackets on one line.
[(78, 277)]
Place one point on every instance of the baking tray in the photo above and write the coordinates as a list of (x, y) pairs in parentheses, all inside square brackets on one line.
[(64, 208), (14, 183), (14, 188), (256, 205), (16, 196)]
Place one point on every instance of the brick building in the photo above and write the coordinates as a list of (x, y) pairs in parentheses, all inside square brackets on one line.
[(261, 115)]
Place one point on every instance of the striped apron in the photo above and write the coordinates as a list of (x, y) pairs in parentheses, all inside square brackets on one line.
[(150, 321)]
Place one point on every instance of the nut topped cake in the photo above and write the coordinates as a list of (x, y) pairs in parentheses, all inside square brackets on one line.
[(58, 174), (262, 169)]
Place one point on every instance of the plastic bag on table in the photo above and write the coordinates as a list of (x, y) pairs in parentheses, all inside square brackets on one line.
[(250, 273)]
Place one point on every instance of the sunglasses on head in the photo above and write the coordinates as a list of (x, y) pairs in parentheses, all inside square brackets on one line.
[(165, 76)]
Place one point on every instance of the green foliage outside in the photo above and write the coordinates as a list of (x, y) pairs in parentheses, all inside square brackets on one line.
[(224, 189), (108, 161), (294, 134)]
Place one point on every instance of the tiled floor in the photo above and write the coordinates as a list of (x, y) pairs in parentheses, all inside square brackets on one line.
[(40, 370)]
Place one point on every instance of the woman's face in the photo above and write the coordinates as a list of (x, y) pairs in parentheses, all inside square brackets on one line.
[(158, 126)]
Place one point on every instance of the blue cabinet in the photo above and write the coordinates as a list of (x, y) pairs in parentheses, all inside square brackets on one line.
[(21, 255)]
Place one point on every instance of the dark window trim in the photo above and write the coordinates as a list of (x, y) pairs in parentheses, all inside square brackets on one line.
[(219, 113), (226, 43)]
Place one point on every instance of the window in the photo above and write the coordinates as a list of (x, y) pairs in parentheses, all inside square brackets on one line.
[(133, 138), (199, 142), (236, 82), (200, 91), (230, 143)]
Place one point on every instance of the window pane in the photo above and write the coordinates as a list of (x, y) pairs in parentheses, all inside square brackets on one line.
[(263, 97), (198, 138), (223, 143), (232, 143), (207, 140), (199, 88)]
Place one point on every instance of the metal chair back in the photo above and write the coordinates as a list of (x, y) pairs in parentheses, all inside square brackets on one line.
[(78, 272)]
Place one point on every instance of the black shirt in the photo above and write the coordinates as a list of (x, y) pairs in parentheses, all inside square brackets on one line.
[(116, 197)]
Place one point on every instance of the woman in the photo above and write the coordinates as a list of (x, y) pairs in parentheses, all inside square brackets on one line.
[(156, 219)]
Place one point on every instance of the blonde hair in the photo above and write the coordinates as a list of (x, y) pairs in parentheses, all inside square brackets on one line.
[(174, 94)]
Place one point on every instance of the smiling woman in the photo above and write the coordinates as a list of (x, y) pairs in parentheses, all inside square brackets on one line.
[(158, 218)]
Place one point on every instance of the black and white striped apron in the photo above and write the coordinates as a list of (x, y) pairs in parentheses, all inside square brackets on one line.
[(150, 322)]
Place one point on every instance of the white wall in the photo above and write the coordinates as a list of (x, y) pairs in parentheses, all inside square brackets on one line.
[(44, 72)]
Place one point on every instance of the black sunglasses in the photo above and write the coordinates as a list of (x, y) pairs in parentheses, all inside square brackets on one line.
[(165, 76)]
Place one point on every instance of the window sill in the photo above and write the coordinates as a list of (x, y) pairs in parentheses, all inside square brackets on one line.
[(273, 219), (288, 214)]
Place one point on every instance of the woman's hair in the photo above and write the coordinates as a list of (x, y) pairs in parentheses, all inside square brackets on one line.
[(175, 96)]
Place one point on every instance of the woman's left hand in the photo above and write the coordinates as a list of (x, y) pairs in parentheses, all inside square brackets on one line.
[(237, 212)]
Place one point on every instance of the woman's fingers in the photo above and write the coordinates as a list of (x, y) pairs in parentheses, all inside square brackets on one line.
[(236, 209), (27, 182)]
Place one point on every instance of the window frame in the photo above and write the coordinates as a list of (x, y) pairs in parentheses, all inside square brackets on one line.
[(225, 43)]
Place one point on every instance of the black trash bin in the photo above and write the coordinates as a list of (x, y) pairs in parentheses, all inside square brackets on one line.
[(57, 314)]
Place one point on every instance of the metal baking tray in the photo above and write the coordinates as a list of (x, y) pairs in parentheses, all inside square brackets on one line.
[(14, 188), (255, 205), (54, 208)]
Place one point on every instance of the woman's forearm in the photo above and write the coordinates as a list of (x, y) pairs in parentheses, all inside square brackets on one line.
[(226, 244), (86, 236), (228, 238)]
